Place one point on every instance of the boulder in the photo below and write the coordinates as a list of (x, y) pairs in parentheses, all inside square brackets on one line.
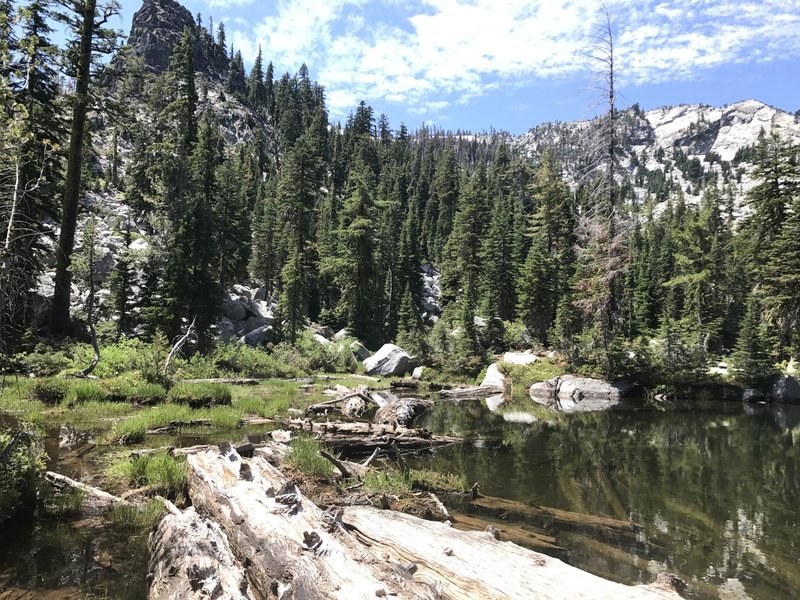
[(261, 308), (753, 395), (226, 330), (242, 290), (322, 340), (494, 378), (417, 373), (234, 310), (389, 361), (570, 393), (341, 334), (254, 322), (784, 389), (520, 358), (359, 351), (259, 337), (261, 294)]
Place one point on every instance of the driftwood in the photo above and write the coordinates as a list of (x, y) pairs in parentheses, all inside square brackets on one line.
[(95, 501), (190, 558), (464, 565), (353, 402), (474, 391), (291, 548), (363, 438), (404, 384), (176, 425), (401, 412)]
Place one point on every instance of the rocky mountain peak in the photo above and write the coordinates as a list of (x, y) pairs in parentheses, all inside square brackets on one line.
[(158, 25)]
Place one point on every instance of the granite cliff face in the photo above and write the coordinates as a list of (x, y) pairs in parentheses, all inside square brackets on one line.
[(158, 25), (685, 147)]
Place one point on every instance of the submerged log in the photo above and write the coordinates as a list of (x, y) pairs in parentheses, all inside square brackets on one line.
[(401, 412), (519, 533), (190, 558), (556, 518), (291, 548), (466, 564)]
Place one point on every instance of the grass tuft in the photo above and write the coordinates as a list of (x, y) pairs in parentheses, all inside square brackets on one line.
[(305, 457)]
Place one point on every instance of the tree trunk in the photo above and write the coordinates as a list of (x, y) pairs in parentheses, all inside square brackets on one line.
[(5, 261), (60, 319)]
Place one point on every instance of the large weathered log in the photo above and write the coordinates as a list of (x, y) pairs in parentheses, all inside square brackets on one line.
[(465, 565), (401, 412), (190, 559), (291, 548)]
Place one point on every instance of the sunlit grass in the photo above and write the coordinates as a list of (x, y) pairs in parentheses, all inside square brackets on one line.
[(167, 472), (305, 457)]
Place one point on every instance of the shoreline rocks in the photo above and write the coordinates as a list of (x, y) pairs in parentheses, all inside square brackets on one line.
[(570, 393)]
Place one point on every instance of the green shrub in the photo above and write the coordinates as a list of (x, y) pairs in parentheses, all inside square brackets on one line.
[(45, 362), (117, 358), (21, 467), (305, 457), (49, 391), (198, 395), (87, 391)]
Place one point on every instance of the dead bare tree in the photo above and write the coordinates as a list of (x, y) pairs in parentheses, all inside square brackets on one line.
[(602, 225)]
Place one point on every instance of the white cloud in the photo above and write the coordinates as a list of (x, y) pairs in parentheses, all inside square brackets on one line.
[(432, 54), (228, 3)]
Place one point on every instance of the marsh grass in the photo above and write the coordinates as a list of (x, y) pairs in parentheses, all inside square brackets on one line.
[(63, 503), (132, 429), (82, 391), (197, 395), (167, 472), (136, 518), (394, 481), (305, 457)]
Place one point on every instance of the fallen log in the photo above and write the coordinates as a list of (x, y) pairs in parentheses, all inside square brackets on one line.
[(95, 500), (174, 426), (464, 565), (404, 384), (363, 438), (474, 391), (291, 548), (401, 412), (190, 558), (225, 380)]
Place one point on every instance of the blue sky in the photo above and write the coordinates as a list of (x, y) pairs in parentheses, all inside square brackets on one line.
[(512, 64)]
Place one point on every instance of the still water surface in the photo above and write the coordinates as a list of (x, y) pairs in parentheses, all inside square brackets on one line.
[(715, 487)]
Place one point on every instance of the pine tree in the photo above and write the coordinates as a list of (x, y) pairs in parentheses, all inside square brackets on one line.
[(123, 278), (86, 23), (256, 92), (751, 360)]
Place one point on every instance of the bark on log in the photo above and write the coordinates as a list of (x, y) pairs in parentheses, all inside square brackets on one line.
[(292, 548), (465, 565), (190, 559), (401, 412), (519, 533)]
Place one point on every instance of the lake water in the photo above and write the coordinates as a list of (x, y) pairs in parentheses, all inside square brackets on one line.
[(715, 487)]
